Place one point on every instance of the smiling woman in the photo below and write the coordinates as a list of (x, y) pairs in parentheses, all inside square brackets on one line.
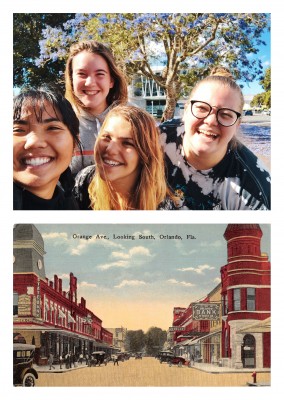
[(94, 85), (45, 131), (206, 164), (129, 172)]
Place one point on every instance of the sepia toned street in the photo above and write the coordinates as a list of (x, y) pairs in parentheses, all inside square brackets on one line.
[(146, 372)]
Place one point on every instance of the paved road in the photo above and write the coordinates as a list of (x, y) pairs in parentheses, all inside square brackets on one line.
[(146, 372), (263, 120)]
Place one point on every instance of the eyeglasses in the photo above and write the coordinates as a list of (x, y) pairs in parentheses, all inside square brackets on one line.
[(225, 116)]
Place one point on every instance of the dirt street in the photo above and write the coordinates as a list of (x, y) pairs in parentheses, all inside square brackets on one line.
[(145, 372)]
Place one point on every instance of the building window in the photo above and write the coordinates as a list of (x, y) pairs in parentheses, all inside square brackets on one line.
[(251, 299), (237, 299), (225, 305), (15, 303)]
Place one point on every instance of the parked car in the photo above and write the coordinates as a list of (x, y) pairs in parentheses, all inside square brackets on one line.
[(98, 358), (138, 356), (23, 372), (165, 356), (179, 361), (248, 112), (266, 112)]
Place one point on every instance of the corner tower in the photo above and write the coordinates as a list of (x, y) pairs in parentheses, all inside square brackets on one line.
[(28, 250), (245, 290)]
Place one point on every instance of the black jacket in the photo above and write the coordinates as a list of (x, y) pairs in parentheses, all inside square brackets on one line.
[(25, 200)]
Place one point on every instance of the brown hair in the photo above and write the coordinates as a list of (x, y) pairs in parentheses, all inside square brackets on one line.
[(221, 75), (151, 188), (118, 93)]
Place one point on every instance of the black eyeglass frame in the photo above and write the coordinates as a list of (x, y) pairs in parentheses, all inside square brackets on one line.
[(218, 110)]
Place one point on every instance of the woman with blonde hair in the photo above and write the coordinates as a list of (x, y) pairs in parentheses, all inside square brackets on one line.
[(206, 163), (94, 85), (129, 167)]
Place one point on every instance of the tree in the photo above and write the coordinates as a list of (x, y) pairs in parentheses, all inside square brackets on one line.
[(154, 340), (135, 341), (187, 45), (264, 99), (27, 32)]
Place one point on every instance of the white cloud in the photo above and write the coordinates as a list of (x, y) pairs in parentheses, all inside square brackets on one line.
[(119, 254), (199, 270), (180, 283), (217, 280), (86, 284), (130, 283), (139, 250), (135, 256), (216, 243), (117, 264), (83, 245)]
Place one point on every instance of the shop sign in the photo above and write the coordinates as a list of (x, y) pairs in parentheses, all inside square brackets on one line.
[(205, 311), (176, 328)]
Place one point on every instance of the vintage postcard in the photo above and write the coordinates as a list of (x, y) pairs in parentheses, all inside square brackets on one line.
[(159, 305)]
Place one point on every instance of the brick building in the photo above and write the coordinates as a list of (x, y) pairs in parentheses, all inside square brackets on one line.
[(246, 299), (240, 336), (43, 313)]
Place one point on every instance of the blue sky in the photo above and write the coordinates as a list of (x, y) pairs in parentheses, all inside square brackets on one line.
[(137, 282), (265, 55)]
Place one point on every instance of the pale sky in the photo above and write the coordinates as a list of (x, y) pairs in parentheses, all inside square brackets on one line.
[(135, 282)]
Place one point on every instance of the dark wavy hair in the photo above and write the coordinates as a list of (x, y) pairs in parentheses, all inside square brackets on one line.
[(36, 99)]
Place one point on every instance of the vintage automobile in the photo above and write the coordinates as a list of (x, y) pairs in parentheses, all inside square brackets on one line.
[(122, 356), (165, 356), (98, 358), (23, 372), (179, 361)]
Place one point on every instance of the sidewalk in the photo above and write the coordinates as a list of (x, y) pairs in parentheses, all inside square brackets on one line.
[(56, 369), (215, 369)]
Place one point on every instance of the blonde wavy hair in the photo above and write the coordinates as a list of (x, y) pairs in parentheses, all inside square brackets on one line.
[(117, 94), (151, 187)]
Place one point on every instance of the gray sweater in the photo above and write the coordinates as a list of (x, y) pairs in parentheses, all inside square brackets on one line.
[(89, 129)]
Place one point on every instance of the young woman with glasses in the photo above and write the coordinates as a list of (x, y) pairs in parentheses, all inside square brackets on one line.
[(206, 164)]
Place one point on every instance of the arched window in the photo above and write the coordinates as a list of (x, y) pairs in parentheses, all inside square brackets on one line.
[(248, 351)]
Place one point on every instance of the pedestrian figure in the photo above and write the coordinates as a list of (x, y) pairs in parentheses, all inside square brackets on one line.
[(74, 359), (87, 359), (192, 358), (115, 360), (50, 361), (81, 358), (67, 361), (60, 361)]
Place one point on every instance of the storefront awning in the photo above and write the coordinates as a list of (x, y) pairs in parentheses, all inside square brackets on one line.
[(211, 334), (71, 319), (257, 327)]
